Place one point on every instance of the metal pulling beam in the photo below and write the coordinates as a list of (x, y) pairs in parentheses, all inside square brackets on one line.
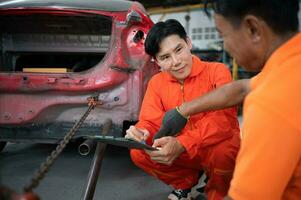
[(96, 164)]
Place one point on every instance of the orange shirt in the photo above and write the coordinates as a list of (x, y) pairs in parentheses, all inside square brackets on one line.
[(164, 93), (268, 165)]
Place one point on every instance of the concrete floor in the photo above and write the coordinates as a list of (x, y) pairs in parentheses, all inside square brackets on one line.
[(119, 179)]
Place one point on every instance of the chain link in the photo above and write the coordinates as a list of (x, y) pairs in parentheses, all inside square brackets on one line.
[(45, 166)]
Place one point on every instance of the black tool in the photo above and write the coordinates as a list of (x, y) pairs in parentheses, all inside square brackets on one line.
[(121, 141)]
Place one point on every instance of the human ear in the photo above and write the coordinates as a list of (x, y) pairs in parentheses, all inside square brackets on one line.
[(254, 27), (156, 61)]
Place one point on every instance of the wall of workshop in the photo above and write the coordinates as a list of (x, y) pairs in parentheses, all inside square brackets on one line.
[(199, 27)]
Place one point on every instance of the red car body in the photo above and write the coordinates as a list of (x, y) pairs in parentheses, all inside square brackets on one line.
[(72, 49)]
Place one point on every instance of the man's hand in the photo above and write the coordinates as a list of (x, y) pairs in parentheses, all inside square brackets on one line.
[(170, 149), (173, 122), (137, 134)]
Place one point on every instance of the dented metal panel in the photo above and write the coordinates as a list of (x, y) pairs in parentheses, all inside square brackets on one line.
[(40, 106)]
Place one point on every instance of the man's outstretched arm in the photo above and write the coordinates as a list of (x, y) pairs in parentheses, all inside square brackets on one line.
[(226, 96)]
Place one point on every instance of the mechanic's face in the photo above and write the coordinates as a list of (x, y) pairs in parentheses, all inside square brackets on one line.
[(175, 57), (244, 42)]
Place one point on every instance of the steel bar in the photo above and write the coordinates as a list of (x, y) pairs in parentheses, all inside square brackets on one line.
[(96, 164)]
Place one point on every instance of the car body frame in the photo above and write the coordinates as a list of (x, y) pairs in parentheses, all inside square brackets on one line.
[(55, 54)]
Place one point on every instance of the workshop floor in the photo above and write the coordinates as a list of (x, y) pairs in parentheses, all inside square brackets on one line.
[(119, 178)]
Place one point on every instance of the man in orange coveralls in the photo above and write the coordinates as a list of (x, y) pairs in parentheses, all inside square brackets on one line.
[(209, 142), (262, 35)]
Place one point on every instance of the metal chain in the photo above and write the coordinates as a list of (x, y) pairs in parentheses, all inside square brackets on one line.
[(45, 166)]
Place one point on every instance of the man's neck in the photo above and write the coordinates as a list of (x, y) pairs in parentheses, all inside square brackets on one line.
[(181, 81), (277, 40)]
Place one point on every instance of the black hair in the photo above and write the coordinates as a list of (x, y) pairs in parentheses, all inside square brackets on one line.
[(160, 31), (280, 15)]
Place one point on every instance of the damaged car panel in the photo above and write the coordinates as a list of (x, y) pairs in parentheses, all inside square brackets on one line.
[(56, 54)]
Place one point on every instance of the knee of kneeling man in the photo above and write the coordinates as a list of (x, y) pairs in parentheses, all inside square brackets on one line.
[(224, 158)]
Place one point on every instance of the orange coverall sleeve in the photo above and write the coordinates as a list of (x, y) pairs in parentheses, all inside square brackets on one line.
[(220, 74), (152, 112)]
